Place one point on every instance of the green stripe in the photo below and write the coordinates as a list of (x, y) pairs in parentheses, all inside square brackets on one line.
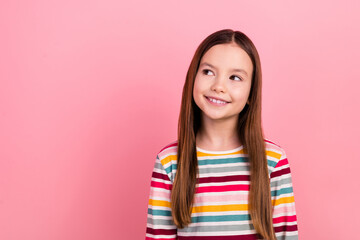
[(222, 160), (281, 191), (159, 212), (271, 163), (244, 217)]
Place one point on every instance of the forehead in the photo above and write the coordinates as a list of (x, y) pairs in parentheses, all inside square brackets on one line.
[(228, 56)]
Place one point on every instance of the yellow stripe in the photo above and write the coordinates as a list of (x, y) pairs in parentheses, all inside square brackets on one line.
[(168, 159), (273, 154), (201, 154), (283, 200), (269, 153), (159, 203), (220, 208)]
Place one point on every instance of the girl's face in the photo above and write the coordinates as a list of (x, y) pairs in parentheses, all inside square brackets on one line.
[(224, 73)]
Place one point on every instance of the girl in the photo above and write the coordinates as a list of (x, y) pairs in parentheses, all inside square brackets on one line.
[(221, 179)]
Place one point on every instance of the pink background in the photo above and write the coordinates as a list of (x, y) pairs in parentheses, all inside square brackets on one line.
[(90, 92)]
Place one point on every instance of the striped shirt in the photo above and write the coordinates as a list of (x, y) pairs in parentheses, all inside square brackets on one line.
[(220, 209)]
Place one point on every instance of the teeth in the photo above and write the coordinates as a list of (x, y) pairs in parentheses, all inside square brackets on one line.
[(217, 101)]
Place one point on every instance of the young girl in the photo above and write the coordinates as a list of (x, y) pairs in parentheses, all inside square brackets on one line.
[(221, 179)]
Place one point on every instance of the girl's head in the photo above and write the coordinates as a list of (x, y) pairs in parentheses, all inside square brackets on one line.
[(226, 66), (211, 74), (225, 74)]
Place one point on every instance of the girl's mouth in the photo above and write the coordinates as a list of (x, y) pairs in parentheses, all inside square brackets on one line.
[(216, 102)]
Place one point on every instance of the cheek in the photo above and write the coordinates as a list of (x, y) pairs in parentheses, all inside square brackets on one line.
[(197, 87), (243, 91), (197, 93), (194, 90)]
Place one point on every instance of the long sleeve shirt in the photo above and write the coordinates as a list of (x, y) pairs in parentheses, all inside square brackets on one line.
[(220, 209)]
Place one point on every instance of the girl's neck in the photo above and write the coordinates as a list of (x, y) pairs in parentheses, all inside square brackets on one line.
[(217, 137)]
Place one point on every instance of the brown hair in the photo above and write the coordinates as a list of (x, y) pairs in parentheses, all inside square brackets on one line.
[(249, 131)]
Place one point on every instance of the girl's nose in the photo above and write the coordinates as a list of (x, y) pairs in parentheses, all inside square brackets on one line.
[(219, 84)]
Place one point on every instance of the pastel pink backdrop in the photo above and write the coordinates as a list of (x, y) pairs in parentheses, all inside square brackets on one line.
[(90, 92)]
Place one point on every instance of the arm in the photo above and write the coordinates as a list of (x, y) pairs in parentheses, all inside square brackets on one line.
[(159, 220), (282, 195)]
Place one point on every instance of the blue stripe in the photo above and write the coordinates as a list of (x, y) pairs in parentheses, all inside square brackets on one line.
[(243, 217), (271, 163), (159, 212), (281, 191), (222, 160)]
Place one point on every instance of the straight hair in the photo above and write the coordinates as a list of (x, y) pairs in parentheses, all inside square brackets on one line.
[(249, 131)]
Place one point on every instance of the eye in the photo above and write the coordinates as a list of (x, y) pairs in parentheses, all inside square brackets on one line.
[(206, 71), (236, 78)]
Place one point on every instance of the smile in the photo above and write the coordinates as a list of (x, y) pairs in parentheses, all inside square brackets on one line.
[(216, 102)]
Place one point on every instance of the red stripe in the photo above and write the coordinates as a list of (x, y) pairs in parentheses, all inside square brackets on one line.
[(282, 162), (161, 185), (286, 228), (279, 173), (284, 219), (168, 146), (161, 231), (237, 237), (272, 143), (225, 179), (223, 188), (160, 176), (149, 238)]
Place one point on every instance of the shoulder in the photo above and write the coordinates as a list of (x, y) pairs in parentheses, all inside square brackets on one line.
[(168, 158), (171, 146), (275, 155), (274, 149), (168, 150)]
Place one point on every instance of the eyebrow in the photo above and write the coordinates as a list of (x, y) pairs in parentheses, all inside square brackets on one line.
[(234, 69)]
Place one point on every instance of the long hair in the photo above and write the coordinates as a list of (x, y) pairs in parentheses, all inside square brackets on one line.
[(249, 131)]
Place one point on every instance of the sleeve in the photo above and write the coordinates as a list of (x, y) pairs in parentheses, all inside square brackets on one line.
[(160, 223), (282, 195)]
